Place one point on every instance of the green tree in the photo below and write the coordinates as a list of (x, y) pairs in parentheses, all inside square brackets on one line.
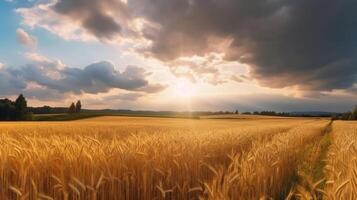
[(7, 109), (78, 107), (72, 108), (21, 108), (21, 103)]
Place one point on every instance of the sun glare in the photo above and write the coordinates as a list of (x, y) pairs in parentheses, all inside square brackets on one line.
[(184, 89)]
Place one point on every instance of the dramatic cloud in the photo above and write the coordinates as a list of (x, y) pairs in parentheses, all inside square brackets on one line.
[(25, 39), (94, 15), (85, 20), (307, 45), (42, 16), (45, 77)]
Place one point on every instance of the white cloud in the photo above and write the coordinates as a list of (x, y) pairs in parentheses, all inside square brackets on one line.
[(26, 39), (37, 57), (70, 22), (44, 61), (42, 16), (209, 68)]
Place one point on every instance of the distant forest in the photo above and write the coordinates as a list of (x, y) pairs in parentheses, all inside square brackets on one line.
[(73, 108), (18, 110)]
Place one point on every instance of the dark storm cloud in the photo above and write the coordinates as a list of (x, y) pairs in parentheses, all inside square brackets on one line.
[(101, 25), (93, 15), (96, 78), (308, 44)]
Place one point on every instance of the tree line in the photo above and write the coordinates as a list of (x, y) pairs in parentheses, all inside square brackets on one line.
[(268, 113), (14, 110), (18, 111), (352, 115), (73, 108)]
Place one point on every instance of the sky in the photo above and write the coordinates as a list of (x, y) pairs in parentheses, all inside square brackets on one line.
[(181, 55)]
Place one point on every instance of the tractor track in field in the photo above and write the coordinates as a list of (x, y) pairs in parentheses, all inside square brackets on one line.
[(310, 175)]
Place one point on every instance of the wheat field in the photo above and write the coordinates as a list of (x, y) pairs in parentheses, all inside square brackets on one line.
[(163, 158)]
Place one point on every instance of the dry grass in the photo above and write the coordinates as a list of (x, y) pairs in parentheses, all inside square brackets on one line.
[(151, 158)]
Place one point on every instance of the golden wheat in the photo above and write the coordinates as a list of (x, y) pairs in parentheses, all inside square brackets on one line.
[(150, 158), (267, 169)]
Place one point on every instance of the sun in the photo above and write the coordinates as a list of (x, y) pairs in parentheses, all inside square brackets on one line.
[(183, 89)]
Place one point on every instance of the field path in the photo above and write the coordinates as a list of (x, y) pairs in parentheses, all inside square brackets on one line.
[(311, 177)]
